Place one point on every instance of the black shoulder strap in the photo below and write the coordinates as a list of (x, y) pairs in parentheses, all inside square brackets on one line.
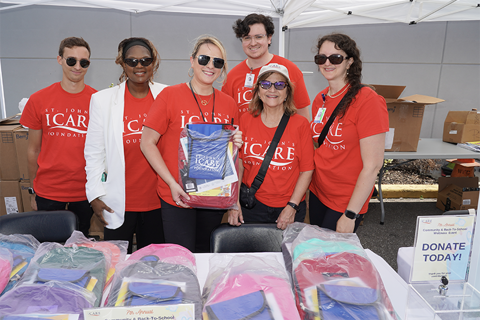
[(334, 114), (269, 155)]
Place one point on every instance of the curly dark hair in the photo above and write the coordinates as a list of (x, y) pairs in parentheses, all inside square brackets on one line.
[(354, 74), (242, 27), (121, 55), (71, 42)]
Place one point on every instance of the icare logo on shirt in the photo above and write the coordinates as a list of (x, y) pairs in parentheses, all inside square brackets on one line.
[(132, 128), (74, 120), (188, 117), (334, 133), (244, 98), (281, 160)]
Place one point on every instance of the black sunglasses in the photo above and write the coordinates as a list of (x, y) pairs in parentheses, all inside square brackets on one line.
[(279, 85), (334, 58), (134, 62), (203, 60), (71, 61)]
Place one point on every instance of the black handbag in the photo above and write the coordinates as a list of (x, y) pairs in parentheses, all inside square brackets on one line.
[(247, 195)]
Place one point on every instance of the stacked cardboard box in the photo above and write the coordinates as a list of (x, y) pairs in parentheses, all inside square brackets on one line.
[(405, 116), (10, 178), (458, 193), (14, 177)]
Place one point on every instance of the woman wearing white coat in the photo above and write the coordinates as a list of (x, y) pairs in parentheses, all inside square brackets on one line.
[(121, 185)]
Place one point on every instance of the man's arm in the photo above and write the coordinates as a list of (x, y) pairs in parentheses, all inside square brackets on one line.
[(33, 150)]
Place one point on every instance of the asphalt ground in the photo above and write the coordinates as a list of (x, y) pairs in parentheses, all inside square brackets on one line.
[(399, 228)]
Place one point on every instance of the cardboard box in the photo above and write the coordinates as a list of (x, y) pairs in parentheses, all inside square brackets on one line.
[(405, 117), (27, 206), (462, 126), (10, 197), (451, 195), (20, 136), (8, 155)]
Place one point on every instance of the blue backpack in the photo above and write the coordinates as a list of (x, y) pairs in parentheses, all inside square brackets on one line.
[(82, 266), (23, 249)]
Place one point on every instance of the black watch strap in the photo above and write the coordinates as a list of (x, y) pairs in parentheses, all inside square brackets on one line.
[(294, 206), (30, 190), (351, 215)]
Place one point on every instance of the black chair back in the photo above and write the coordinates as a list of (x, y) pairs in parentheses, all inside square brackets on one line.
[(45, 226), (246, 238)]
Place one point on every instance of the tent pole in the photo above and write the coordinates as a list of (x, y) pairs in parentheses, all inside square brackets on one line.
[(2, 95), (281, 38)]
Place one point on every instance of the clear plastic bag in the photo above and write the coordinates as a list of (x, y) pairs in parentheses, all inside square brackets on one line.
[(77, 265), (52, 297), (247, 287), (159, 274), (22, 248), (333, 277), (115, 250), (208, 165)]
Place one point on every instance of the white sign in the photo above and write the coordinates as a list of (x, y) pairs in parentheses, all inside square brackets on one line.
[(442, 247), (149, 312)]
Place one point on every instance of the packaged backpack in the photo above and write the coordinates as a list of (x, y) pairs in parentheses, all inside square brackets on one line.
[(116, 250), (247, 287), (334, 279), (6, 262), (22, 247), (159, 274), (208, 165), (50, 298), (81, 266)]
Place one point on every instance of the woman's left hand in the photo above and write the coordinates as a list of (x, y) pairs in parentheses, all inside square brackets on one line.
[(345, 225), (286, 217), (237, 139)]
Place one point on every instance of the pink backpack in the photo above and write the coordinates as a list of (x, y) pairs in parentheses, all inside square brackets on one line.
[(254, 292), (6, 262)]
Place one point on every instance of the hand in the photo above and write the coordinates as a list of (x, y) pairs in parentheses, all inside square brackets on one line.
[(235, 217), (178, 194), (286, 217), (237, 139), (345, 225), (98, 206), (33, 202)]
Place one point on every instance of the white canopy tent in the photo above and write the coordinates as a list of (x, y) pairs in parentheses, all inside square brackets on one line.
[(291, 13)]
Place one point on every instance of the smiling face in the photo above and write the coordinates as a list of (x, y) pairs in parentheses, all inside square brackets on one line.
[(138, 74), (271, 97), (334, 72), (75, 73), (207, 74), (255, 49)]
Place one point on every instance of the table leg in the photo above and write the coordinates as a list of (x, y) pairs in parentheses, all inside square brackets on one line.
[(380, 195)]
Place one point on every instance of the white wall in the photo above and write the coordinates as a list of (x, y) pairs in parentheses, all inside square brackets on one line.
[(440, 59)]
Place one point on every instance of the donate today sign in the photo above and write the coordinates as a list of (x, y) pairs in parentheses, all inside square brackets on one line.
[(442, 247)]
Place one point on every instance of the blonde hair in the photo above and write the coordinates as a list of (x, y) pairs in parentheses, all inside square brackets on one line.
[(121, 56), (209, 39), (256, 104)]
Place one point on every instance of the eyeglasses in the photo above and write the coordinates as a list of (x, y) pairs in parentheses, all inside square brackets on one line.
[(134, 62), (279, 85), (71, 61), (257, 37), (203, 60), (334, 58)]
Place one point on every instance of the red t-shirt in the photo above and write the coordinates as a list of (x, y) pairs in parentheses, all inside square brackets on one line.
[(140, 178), (338, 161), (234, 86), (294, 154), (173, 108), (63, 117)]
